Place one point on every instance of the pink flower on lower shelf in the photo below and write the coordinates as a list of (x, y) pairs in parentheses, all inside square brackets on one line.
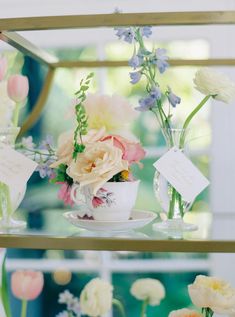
[(27, 285), (18, 88)]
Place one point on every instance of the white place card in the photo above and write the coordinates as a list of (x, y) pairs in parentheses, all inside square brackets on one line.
[(15, 168), (182, 174)]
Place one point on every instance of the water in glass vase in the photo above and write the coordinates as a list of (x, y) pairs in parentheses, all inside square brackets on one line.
[(173, 205), (10, 197)]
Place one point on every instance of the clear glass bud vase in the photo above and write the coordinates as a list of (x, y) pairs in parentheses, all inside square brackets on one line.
[(10, 197), (173, 204)]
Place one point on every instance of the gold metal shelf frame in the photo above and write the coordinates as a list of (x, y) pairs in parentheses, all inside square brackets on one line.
[(10, 25), (116, 244)]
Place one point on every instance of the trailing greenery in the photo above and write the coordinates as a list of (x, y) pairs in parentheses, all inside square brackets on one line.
[(61, 175), (81, 117)]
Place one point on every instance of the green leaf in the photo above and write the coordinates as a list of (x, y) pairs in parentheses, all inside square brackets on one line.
[(4, 290), (81, 117)]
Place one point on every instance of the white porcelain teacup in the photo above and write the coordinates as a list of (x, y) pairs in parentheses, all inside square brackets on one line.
[(113, 202)]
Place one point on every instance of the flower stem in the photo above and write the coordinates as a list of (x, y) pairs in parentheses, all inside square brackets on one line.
[(172, 204), (16, 114), (207, 312), (5, 202), (119, 306), (190, 117), (24, 308), (144, 307)]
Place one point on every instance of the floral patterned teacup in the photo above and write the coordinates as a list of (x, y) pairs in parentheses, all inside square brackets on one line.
[(113, 202)]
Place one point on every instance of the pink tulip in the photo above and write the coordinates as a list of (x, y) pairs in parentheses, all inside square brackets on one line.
[(18, 88), (26, 285), (132, 151)]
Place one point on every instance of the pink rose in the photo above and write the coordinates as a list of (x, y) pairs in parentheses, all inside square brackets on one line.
[(132, 151), (64, 194), (27, 285), (18, 88), (3, 67)]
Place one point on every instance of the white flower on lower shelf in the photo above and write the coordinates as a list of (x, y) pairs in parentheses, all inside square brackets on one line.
[(148, 289), (96, 298), (218, 85), (213, 293)]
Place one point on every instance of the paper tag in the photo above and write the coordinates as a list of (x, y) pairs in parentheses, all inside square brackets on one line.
[(182, 174), (15, 168)]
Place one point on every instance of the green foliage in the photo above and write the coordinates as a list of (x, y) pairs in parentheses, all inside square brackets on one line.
[(4, 290), (117, 178), (62, 176), (81, 117)]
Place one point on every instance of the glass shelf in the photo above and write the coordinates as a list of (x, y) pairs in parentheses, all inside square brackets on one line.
[(214, 235)]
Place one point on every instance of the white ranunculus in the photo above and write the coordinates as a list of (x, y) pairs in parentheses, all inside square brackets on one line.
[(218, 85), (212, 292), (96, 298), (148, 289), (6, 106), (184, 312)]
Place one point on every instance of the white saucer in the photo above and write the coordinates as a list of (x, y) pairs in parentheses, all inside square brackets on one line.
[(139, 218)]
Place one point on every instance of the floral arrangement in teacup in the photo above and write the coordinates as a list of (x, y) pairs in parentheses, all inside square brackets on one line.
[(13, 92), (149, 65), (93, 161)]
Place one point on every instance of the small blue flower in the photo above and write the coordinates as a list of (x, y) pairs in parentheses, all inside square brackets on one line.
[(120, 32), (173, 99), (135, 61), (160, 59), (155, 93), (135, 77), (146, 104), (47, 143), (117, 10), (146, 31), (129, 35), (28, 143), (44, 169), (162, 65), (63, 314)]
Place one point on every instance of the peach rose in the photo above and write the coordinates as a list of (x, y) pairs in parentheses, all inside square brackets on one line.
[(184, 312), (65, 145), (27, 285), (132, 151), (97, 164)]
